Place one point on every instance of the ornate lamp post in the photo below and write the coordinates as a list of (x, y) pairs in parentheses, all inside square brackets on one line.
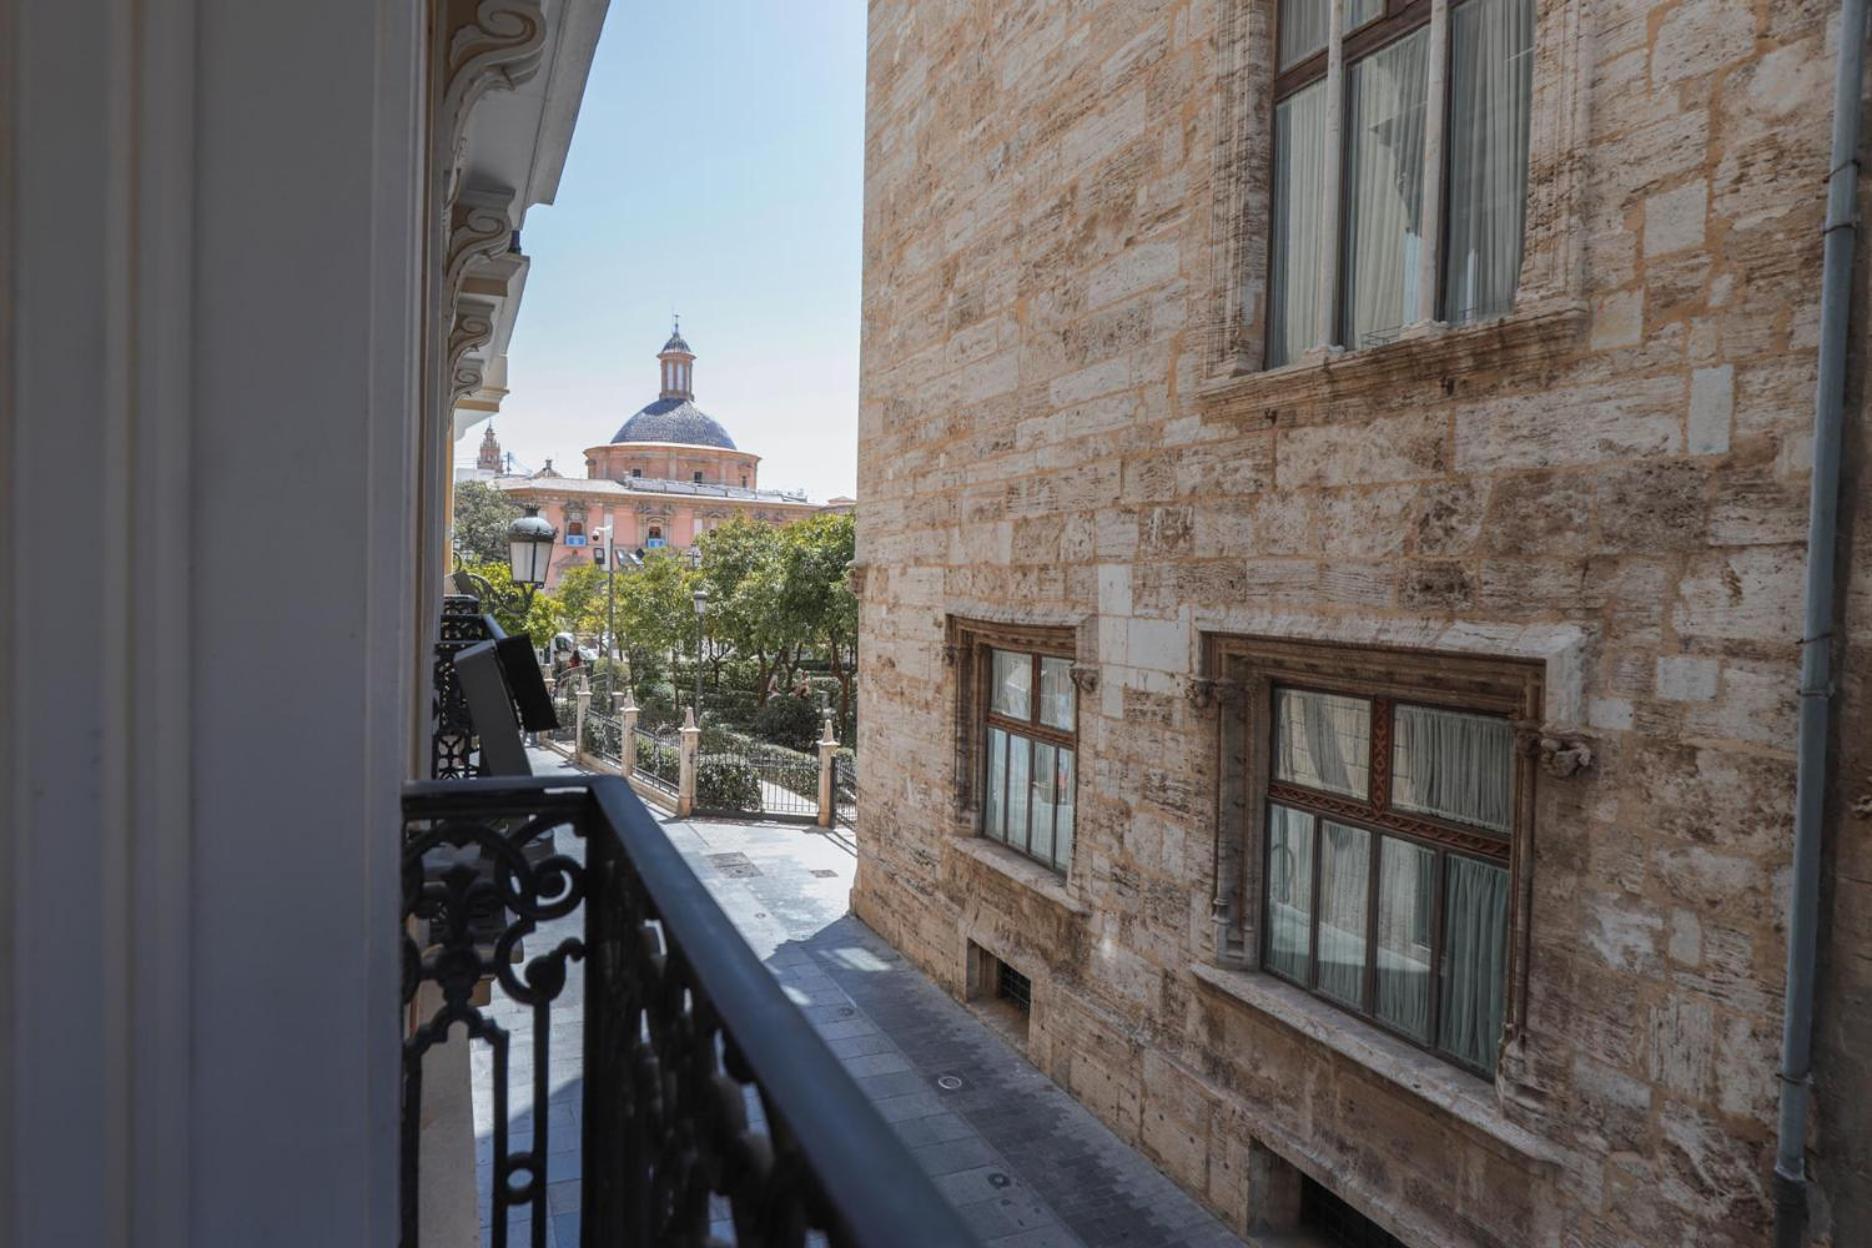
[(701, 610), (529, 554)]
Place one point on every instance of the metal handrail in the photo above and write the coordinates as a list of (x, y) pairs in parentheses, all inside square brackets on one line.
[(681, 1020)]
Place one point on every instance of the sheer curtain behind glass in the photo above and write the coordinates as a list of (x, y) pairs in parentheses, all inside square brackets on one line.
[(1475, 959), (1298, 225), (1345, 898), (1290, 891), (1385, 95), (1454, 765), (1491, 77), (1303, 29)]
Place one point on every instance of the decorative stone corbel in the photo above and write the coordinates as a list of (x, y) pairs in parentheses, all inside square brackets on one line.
[(490, 44), (1085, 678), (472, 330), (479, 230), (952, 653), (1561, 755), (1206, 693)]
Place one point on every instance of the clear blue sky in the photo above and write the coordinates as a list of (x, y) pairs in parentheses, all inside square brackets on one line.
[(717, 170)]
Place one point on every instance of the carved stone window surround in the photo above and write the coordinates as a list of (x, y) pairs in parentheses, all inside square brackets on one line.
[(1549, 306), (1512, 686), (966, 645)]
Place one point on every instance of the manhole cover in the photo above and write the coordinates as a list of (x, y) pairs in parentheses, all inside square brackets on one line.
[(949, 1083), (734, 866), (825, 873)]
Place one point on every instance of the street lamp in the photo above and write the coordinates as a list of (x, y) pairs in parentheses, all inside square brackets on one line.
[(529, 555), (529, 551)]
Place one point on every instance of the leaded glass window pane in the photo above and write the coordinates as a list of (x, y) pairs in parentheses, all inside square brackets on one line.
[(1300, 224), (995, 820), (1345, 900), (1020, 759), (1011, 691), (1384, 179), (1303, 26), (1358, 12), (1475, 960), (1454, 765), (1290, 891), (1323, 741), (1063, 825), (1056, 694), (1406, 896), (1490, 106), (1045, 776)]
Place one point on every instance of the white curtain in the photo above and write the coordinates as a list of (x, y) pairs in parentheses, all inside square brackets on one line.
[(1303, 26), (1406, 884), (1475, 959), (1324, 741), (1385, 96), (1454, 765), (1298, 223), (1011, 688), (1289, 891), (1491, 77), (1345, 897)]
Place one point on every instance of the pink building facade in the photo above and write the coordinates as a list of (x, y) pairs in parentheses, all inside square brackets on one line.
[(669, 474)]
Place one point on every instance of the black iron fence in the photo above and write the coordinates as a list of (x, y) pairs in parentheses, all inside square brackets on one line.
[(703, 1087), (659, 758), (845, 789), (604, 736), (739, 775)]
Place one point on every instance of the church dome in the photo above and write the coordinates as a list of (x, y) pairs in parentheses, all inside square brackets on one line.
[(675, 420), (674, 417)]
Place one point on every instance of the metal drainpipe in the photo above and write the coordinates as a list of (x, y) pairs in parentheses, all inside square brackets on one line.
[(1816, 689)]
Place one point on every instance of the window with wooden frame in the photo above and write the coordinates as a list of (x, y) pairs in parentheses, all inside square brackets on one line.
[(1017, 721), (1388, 812), (1400, 168)]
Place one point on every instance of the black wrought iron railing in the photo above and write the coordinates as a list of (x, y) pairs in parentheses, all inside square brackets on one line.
[(709, 1110)]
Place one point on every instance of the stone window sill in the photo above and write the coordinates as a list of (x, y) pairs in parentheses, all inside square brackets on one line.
[(1022, 870), (1468, 1099), (1433, 354)]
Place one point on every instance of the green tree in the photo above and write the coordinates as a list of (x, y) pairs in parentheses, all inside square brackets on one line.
[(742, 567), (655, 609), (815, 594), (482, 514)]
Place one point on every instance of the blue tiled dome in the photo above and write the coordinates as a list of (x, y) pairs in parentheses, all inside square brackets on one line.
[(675, 420), (676, 343)]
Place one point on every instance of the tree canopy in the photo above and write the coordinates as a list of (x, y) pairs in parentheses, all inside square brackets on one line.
[(482, 514)]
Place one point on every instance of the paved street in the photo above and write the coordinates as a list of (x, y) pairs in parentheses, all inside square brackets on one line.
[(1024, 1163)]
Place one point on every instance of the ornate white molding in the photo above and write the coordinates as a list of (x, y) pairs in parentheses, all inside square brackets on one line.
[(480, 228), (490, 44), (473, 328)]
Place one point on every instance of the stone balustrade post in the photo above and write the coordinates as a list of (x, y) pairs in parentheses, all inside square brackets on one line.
[(686, 773), (828, 756), (627, 751)]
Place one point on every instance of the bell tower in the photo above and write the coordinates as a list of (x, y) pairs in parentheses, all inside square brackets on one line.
[(489, 460), (678, 366)]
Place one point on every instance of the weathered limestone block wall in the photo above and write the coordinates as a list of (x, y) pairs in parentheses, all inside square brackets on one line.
[(1061, 424)]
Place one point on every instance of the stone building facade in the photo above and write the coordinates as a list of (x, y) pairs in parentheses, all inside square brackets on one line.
[(1576, 517)]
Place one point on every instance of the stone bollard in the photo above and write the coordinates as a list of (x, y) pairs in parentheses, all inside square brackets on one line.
[(627, 748), (828, 792), (686, 774)]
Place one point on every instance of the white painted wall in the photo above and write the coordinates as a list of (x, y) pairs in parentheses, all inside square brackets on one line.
[(208, 214)]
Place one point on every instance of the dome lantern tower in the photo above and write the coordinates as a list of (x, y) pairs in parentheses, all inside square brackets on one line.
[(678, 366)]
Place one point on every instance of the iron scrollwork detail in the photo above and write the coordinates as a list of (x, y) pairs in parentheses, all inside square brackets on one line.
[(452, 744), (459, 874)]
